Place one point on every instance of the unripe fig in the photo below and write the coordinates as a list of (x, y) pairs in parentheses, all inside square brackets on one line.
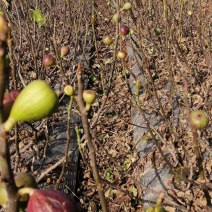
[(158, 31), (7, 105), (4, 29), (88, 96), (198, 119), (23, 180), (36, 101), (3, 195), (149, 209), (107, 40), (115, 18), (14, 94), (48, 60), (121, 54), (48, 200), (124, 30), (64, 51), (69, 90), (132, 31), (127, 6)]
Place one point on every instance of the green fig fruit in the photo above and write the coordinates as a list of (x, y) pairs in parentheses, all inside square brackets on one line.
[(149, 209), (36, 101), (3, 195), (127, 6), (69, 90), (198, 119), (88, 96), (23, 180)]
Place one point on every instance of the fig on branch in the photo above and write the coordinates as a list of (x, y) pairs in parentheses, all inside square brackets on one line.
[(48, 200), (69, 90), (115, 18), (64, 51), (198, 119), (48, 60), (127, 6), (36, 101), (88, 96), (124, 30), (121, 54), (107, 40), (4, 29), (22, 180)]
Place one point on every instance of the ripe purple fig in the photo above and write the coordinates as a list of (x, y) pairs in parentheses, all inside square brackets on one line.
[(48, 200), (88, 96), (121, 54), (198, 119), (107, 40), (48, 60), (64, 51), (124, 30), (69, 90), (14, 94)]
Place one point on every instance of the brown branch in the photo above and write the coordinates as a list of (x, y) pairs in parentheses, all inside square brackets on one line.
[(92, 154)]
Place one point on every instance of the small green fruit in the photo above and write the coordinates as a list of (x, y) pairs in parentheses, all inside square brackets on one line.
[(64, 51), (3, 195), (115, 18), (69, 90), (23, 180), (121, 54), (127, 6), (149, 209), (158, 31), (198, 119), (107, 40), (88, 96), (36, 101)]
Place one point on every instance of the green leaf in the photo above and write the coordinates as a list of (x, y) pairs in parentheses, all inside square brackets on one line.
[(38, 17)]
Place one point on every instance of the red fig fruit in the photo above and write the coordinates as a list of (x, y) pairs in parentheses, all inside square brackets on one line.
[(64, 51), (198, 119), (48, 200), (48, 60), (14, 94), (124, 30)]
